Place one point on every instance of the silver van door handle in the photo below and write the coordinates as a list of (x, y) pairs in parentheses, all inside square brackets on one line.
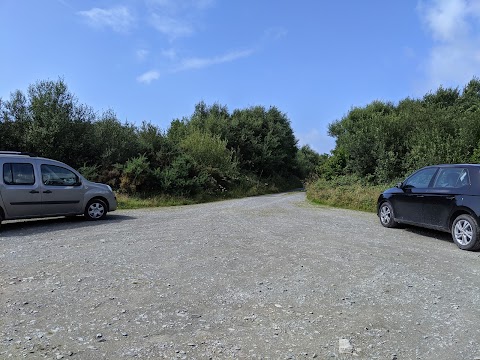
[(47, 192), (34, 192)]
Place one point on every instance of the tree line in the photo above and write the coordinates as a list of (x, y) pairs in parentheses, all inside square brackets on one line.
[(383, 142), (209, 152)]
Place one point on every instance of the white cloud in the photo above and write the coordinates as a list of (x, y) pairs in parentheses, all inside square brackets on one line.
[(192, 63), (454, 58), (180, 5), (117, 18), (148, 77), (199, 63), (170, 26), (176, 18), (446, 19)]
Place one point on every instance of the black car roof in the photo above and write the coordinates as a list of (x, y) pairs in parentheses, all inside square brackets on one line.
[(453, 165)]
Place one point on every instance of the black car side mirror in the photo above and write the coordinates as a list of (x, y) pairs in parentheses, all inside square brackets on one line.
[(399, 185)]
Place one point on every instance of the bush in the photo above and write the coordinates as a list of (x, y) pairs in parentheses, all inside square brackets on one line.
[(347, 192), (135, 175)]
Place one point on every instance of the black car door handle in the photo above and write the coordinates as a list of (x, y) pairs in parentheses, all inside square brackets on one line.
[(47, 192), (34, 192), (420, 196), (450, 197)]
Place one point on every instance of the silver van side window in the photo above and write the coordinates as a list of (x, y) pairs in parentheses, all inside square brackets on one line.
[(58, 176), (18, 174)]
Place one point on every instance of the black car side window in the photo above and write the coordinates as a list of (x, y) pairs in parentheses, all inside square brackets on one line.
[(452, 178), (421, 179)]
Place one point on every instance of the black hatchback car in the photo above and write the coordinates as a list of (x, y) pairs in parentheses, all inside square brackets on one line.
[(441, 197)]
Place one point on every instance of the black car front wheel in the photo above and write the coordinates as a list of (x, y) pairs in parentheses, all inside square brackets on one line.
[(465, 232), (386, 215)]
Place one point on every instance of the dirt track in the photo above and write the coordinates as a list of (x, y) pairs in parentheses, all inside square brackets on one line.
[(270, 277)]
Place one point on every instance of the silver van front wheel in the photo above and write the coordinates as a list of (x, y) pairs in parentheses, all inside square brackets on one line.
[(96, 210)]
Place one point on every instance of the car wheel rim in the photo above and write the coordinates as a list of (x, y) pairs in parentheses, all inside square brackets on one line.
[(385, 215), (463, 232), (96, 210)]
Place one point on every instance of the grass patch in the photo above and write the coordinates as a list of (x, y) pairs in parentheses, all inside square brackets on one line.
[(142, 201), (346, 192)]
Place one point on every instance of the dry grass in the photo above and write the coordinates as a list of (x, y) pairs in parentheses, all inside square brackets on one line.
[(343, 194)]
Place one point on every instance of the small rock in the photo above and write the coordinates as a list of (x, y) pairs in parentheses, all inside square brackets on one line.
[(99, 335), (344, 346)]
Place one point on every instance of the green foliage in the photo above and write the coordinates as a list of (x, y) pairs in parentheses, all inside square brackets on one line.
[(89, 172), (212, 153), (116, 142), (349, 192), (263, 140), (307, 161), (382, 141), (57, 126), (135, 175), (181, 177)]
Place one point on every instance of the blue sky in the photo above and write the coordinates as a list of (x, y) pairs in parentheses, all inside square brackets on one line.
[(153, 60)]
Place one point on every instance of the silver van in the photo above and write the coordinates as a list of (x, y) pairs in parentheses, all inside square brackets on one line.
[(33, 187)]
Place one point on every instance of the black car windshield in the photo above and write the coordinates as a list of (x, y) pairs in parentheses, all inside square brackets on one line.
[(421, 179)]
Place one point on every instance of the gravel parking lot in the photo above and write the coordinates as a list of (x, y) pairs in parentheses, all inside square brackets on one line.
[(269, 277)]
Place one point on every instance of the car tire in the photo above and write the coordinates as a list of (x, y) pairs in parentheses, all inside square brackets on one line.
[(386, 215), (96, 209), (465, 232)]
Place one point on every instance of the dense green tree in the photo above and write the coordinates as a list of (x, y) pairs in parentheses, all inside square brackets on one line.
[(383, 142), (308, 160), (114, 141), (209, 152), (263, 140)]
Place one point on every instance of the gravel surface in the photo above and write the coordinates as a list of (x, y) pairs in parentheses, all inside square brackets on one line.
[(269, 277)]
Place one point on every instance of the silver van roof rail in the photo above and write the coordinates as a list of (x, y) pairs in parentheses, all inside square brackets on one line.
[(17, 153)]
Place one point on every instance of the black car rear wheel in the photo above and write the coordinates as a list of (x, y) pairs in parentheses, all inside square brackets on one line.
[(465, 232), (386, 215)]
